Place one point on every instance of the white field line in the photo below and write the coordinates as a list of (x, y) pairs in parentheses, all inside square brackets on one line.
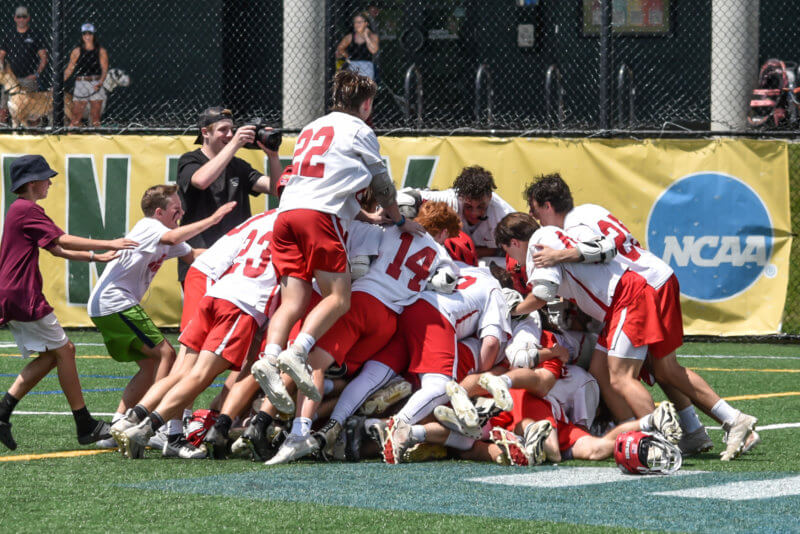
[(730, 357)]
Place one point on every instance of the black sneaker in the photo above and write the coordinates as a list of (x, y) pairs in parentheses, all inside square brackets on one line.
[(216, 444), (102, 430), (354, 435), (256, 438), (326, 437), (5, 435)]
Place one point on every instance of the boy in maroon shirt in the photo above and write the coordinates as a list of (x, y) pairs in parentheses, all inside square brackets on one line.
[(23, 306)]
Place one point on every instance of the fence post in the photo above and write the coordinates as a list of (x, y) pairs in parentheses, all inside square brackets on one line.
[(605, 64), (57, 68), (303, 62)]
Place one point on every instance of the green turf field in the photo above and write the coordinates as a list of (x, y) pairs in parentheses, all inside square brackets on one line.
[(758, 492)]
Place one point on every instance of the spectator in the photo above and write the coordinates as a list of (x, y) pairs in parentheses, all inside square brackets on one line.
[(359, 47), (211, 176), (89, 62), (26, 55)]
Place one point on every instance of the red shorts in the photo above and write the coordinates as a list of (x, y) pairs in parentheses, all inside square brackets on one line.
[(634, 309), (220, 327), (304, 241), (669, 304), (195, 286), (431, 339), (360, 333), (526, 406), (395, 353)]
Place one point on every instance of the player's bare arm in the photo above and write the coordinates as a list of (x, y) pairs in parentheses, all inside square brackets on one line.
[(82, 255), (490, 347), (184, 233), (530, 304), (215, 166), (549, 257), (73, 242)]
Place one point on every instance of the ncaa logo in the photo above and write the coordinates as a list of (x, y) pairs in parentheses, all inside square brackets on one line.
[(715, 232)]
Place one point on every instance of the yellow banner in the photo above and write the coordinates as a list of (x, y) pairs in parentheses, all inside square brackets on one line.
[(716, 210)]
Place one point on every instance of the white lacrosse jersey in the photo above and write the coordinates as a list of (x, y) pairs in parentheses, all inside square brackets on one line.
[(218, 257), (251, 282), (476, 307), (125, 279), (363, 239), (400, 272), (331, 164), (590, 286), (578, 395), (600, 221), (483, 232)]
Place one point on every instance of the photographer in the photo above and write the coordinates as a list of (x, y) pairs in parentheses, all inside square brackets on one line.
[(212, 176)]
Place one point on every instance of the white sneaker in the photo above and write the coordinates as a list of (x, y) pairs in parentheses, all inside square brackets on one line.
[(158, 439), (751, 442), (269, 378), (116, 432), (535, 436), (135, 439), (499, 390), (292, 361), (514, 452), (448, 418), (695, 442), (665, 421), (395, 390), (461, 404), (294, 448), (109, 443), (737, 434)]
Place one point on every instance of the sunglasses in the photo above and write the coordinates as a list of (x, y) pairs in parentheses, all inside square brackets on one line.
[(20, 16)]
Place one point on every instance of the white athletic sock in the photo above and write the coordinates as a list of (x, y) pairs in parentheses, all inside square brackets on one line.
[(430, 395), (273, 349), (689, 420), (507, 380), (646, 423), (116, 417), (725, 412), (301, 426), (174, 426), (373, 376), (305, 342), (459, 441), (418, 433)]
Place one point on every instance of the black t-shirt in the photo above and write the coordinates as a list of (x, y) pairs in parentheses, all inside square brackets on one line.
[(235, 183), (22, 51)]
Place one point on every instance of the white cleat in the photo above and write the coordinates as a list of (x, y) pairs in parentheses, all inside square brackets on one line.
[(135, 439), (737, 435), (269, 378), (116, 433), (447, 417), (294, 448), (665, 421), (535, 436), (499, 390), (695, 442), (751, 442), (293, 362), (512, 447), (461, 404), (397, 389)]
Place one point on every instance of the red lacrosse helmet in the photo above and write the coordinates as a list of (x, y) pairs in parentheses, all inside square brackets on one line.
[(284, 179), (643, 453), (462, 248)]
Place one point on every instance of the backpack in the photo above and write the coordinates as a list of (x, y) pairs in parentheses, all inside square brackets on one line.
[(775, 97)]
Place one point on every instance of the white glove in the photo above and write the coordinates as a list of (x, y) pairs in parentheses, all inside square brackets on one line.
[(359, 265), (444, 280)]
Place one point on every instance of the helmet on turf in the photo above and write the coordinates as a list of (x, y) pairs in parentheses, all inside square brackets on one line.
[(462, 248), (643, 453)]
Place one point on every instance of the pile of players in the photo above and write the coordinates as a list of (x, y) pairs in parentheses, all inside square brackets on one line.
[(360, 321)]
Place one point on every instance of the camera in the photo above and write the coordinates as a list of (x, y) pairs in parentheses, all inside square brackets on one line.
[(269, 138)]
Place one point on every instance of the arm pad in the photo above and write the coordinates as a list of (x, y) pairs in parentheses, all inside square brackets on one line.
[(598, 250), (544, 290), (382, 186)]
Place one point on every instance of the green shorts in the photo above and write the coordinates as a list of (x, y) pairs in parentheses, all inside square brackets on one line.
[(126, 332)]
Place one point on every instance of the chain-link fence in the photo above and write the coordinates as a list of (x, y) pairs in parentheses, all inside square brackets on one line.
[(446, 65)]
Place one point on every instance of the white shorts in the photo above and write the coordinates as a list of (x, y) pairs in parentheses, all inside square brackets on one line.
[(622, 347), (38, 336), (84, 90)]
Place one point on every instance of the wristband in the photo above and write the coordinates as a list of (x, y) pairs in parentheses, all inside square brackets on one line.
[(401, 222), (91, 256)]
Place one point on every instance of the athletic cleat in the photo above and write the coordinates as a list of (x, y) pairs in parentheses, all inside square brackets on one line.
[(378, 431), (695, 442), (499, 390), (158, 439), (135, 439), (395, 390), (751, 442), (116, 431), (327, 436), (737, 434), (398, 441), (448, 418), (263, 442), (486, 409), (184, 449), (269, 378), (513, 451), (665, 421), (535, 436), (354, 433), (109, 443), (216, 444), (100, 431), (292, 362), (294, 448), (5, 435), (425, 452), (241, 449), (462, 406)]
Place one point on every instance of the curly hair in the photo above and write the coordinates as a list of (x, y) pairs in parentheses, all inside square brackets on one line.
[(350, 90), (520, 226), (438, 216), (156, 197), (474, 182), (550, 188)]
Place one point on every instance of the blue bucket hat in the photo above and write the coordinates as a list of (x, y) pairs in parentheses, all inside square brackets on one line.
[(30, 168)]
